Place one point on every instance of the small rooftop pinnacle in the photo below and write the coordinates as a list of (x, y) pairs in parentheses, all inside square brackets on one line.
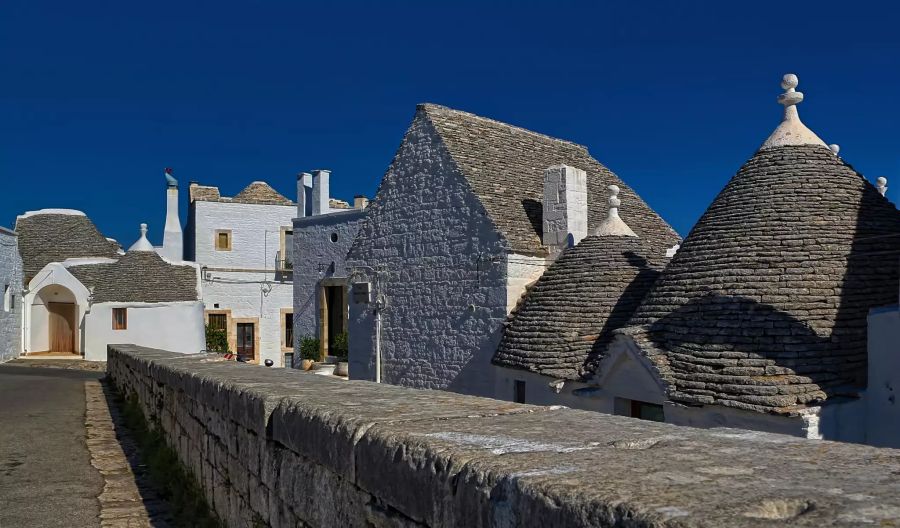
[(613, 225), (142, 243), (791, 131)]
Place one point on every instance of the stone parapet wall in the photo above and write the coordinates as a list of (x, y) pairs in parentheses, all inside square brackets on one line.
[(285, 448)]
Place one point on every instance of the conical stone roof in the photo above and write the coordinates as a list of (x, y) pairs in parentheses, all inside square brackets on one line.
[(764, 306), (565, 322)]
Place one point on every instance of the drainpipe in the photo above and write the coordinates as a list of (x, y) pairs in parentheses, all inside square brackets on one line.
[(380, 304)]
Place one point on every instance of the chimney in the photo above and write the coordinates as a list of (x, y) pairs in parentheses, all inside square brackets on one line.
[(360, 202), (173, 239), (304, 194), (320, 191), (565, 207)]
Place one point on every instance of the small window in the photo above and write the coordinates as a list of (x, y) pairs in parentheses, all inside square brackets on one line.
[(334, 237), (120, 318), (289, 359), (288, 330), (519, 391), (7, 301), (223, 240), (218, 321)]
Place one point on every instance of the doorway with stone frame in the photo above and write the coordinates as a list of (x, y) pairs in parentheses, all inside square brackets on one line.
[(334, 313)]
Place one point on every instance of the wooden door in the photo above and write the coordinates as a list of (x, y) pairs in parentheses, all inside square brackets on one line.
[(62, 326), (246, 341)]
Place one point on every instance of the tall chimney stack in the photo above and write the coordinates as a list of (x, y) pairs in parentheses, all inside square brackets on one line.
[(360, 202), (173, 238), (565, 207), (320, 191), (304, 194)]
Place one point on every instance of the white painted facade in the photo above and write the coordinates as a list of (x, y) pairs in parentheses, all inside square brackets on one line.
[(882, 399), (183, 323), (245, 281), (177, 326), (10, 296)]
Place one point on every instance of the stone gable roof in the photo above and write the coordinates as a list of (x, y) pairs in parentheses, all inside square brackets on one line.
[(564, 324), (764, 306), (504, 165), (46, 238), (138, 276)]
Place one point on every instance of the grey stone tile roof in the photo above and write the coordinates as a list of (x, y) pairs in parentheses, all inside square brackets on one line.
[(257, 192), (139, 276), (46, 238), (764, 306), (504, 165), (564, 324), (261, 193)]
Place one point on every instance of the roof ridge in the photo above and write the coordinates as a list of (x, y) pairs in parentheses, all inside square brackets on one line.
[(433, 106)]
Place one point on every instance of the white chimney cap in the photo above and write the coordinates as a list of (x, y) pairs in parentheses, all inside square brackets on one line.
[(142, 243)]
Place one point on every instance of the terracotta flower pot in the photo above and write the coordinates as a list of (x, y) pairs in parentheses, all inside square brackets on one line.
[(306, 364)]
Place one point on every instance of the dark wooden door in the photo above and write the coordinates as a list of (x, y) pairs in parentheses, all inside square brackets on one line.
[(246, 342), (62, 327)]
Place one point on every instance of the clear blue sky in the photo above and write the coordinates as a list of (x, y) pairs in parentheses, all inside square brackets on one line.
[(97, 97)]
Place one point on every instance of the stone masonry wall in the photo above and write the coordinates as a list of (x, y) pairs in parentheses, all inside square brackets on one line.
[(286, 448), (11, 301), (319, 241), (436, 258)]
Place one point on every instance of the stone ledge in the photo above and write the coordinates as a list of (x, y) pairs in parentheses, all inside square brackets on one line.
[(410, 457)]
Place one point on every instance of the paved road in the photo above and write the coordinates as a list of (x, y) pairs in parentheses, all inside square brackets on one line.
[(46, 477)]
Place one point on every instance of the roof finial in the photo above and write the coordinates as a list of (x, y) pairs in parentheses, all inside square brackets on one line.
[(142, 243), (613, 225), (835, 148), (791, 131), (881, 185), (791, 97)]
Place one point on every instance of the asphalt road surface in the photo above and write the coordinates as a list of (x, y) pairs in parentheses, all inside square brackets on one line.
[(46, 477)]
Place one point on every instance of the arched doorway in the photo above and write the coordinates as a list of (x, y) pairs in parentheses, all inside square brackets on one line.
[(54, 321)]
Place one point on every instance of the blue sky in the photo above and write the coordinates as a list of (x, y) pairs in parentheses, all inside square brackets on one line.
[(97, 97)]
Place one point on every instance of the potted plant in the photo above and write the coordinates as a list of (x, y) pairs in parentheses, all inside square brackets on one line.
[(341, 349), (309, 351)]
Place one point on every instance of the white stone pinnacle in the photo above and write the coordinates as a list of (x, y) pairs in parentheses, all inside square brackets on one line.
[(613, 225), (881, 184), (835, 148), (791, 131), (142, 243)]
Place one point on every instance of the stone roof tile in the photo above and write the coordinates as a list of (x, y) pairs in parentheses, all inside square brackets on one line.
[(504, 165), (139, 276), (764, 306), (568, 316), (46, 238)]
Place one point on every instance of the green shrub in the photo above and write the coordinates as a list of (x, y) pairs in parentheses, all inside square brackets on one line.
[(309, 348), (341, 346), (216, 340)]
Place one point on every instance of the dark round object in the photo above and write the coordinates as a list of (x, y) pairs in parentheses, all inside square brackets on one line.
[(268, 362), (334, 237)]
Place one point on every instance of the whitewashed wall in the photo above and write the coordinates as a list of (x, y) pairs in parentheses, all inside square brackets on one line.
[(250, 288), (439, 265), (176, 327), (54, 283), (317, 257), (10, 312), (882, 398)]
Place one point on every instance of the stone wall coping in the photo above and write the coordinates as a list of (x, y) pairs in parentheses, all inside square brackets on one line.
[(442, 459)]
